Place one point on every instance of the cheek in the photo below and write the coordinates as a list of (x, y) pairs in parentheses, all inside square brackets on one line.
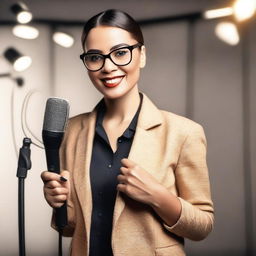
[(93, 77), (133, 73)]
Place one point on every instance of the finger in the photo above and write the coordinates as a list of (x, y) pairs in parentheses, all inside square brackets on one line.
[(65, 174), (127, 162), (56, 205), (56, 191), (49, 176), (121, 178), (121, 187), (53, 199), (59, 199), (53, 184), (124, 170), (56, 202)]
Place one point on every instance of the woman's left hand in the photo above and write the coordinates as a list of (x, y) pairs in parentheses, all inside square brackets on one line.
[(137, 183)]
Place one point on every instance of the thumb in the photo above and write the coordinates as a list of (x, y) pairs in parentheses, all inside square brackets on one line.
[(65, 174), (66, 179)]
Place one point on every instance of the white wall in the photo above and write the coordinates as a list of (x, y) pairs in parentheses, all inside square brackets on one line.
[(40, 239), (215, 101), (70, 77)]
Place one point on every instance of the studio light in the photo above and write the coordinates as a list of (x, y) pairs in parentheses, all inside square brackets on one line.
[(227, 32), (63, 39), (19, 62), (218, 13), (25, 31), (23, 15), (244, 9)]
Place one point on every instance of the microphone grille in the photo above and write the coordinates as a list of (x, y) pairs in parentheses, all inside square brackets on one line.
[(56, 115)]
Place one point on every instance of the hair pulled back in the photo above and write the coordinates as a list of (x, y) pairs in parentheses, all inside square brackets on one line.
[(113, 18)]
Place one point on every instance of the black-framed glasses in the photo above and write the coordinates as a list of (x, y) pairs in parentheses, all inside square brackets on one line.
[(120, 57)]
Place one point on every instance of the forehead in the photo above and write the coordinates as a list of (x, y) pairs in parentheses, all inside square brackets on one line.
[(105, 37)]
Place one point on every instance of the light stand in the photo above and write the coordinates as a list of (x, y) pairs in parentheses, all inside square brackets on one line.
[(24, 164), (19, 80)]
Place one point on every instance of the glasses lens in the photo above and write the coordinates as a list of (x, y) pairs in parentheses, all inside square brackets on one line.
[(121, 56), (93, 61)]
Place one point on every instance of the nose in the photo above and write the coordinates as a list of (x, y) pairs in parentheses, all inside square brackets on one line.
[(109, 66)]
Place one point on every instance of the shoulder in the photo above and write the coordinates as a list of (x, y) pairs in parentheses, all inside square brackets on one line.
[(76, 124), (171, 123), (78, 120), (183, 128), (180, 122)]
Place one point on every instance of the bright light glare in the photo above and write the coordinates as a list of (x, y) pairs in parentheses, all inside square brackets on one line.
[(22, 63), (244, 9), (217, 13), (24, 17), (227, 32), (63, 39), (25, 32)]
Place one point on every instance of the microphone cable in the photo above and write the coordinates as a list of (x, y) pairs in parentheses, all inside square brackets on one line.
[(24, 121)]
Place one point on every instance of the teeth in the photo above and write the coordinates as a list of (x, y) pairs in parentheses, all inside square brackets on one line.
[(113, 81)]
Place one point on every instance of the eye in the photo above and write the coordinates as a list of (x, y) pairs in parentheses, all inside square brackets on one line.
[(93, 58), (121, 52)]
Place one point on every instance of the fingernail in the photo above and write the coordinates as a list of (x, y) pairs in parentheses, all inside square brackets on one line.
[(63, 178)]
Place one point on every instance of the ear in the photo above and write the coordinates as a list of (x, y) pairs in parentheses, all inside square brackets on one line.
[(142, 56)]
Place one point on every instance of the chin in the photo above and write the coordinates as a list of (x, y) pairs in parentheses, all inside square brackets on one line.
[(113, 95)]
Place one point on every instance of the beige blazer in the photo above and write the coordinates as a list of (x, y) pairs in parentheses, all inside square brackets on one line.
[(173, 150)]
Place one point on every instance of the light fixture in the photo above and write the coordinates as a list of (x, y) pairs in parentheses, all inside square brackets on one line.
[(227, 32), (244, 9), (218, 13), (25, 31), (63, 39), (23, 15), (19, 62)]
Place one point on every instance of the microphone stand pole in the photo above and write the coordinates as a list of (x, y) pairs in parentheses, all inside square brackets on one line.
[(24, 164)]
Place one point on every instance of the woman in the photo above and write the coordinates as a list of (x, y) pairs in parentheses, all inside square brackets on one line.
[(137, 180)]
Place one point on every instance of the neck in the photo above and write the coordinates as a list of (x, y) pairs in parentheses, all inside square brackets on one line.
[(123, 108)]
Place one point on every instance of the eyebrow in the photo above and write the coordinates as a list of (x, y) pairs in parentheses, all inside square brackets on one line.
[(111, 49)]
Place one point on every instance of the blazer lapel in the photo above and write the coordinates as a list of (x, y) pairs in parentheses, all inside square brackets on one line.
[(82, 165), (141, 150)]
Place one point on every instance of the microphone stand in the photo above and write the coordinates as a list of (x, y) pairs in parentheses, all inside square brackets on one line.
[(24, 164)]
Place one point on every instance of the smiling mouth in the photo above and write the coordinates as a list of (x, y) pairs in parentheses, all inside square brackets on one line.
[(113, 81)]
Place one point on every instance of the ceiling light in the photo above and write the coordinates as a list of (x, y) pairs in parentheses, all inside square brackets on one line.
[(23, 15), (244, 9), (25, 31), (19, 62), (227, 32), (217, 13), (63, 39)]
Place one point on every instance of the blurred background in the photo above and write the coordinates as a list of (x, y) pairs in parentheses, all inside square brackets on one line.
[(200, 64)]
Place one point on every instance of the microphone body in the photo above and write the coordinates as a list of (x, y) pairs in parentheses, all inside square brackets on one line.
[(52, 142), (55, 119)]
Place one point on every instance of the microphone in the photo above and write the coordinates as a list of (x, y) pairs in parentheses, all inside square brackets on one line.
[(55, 121)]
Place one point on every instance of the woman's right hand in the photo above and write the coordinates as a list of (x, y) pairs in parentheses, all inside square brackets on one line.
[(56, 189)]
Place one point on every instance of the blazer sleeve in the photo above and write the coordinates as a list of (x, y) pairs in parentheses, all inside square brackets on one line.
[(192, 181)]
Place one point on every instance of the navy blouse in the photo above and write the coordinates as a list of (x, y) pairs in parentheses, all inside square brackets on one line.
[(104, 168)]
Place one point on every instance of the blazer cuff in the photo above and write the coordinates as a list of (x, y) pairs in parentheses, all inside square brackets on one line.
[(193, 223)]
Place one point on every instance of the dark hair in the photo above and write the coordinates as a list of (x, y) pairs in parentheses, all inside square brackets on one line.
[(113, 18)]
